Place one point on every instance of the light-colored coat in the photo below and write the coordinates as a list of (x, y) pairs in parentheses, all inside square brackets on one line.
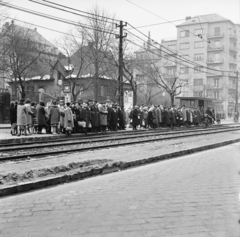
[(102, 115), (21, 115), (68, 118), (29, 114)]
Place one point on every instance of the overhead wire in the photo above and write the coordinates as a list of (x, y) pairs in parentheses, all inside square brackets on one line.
[(89, 13), (53, 17), (57, 8)]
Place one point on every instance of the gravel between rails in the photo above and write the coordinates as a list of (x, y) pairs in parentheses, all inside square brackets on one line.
[(23, 154)]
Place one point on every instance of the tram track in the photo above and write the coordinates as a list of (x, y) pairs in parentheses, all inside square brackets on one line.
[(49, 149)]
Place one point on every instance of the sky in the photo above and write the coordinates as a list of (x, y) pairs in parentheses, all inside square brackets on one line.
[(127, 11)]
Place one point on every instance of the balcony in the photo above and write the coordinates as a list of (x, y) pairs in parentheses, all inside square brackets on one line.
[(232, 74), (170, 64), (233, 49), (212, 73), (215, 60), (214, 87), (215, 48), (232, 61), (233, 36), (216, 35)]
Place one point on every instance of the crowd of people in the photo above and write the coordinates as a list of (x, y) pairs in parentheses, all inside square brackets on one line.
[(28, 117)]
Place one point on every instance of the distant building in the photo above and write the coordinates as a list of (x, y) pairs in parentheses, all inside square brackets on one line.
[(211, 42)]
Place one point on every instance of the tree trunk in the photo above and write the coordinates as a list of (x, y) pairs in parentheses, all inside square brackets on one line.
[(172, 100)]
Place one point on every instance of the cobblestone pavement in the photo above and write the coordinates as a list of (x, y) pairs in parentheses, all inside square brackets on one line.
[(192, 196)]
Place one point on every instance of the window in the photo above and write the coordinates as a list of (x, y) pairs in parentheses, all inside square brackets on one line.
[(172, 46), (184, 33), (198, 82), (216, 95), (197, 69), (185, 57), (216, 57), (198, 44), (30, 89), (184, 70), (184, 46), (217, 30), (170, 71), (198, 57), (216, 82), (217, 43), (198, 32)]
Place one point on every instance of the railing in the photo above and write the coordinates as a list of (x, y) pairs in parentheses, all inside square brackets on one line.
[(169, 64), (233, 36), (214, 73), (233, 48), (233, 61), (214, 60), (212, 86), (216, 35), (215, 48), (232, 74)]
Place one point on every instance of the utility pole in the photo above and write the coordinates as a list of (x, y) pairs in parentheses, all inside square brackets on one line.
[(120, 63), (236, 101)]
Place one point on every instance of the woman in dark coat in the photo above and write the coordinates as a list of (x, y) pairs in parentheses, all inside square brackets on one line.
[(121, 119), (94, 117), (85, 115), (135, 118), (114, 118), (13, 118), (41, 115)]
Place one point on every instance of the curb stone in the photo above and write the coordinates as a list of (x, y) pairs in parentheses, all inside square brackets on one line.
[(96, 170)]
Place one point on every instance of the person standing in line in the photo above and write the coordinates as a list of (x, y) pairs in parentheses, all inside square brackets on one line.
[(13, 118), (54, 117), (41, 116), (21, 118), (68, 119), (34, 118), (103, 117), (29, 116)]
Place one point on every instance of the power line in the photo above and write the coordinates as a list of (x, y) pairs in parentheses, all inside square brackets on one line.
[(172, 52), (43, 27), (54, 18), (80, 11), (161, 23), (89, 17), (174, 24)]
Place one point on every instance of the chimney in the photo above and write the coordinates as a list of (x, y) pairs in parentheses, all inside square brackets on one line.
[(188, 18)]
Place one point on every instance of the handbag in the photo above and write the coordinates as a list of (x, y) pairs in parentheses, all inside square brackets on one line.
[(89, 125), (82, 124)]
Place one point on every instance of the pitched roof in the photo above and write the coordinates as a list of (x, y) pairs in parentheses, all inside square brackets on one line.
[(204, 19)]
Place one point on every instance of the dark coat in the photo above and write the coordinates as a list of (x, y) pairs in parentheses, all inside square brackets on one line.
[(85, 115), (54, 115), (41, 115), (114, 117), (94, 116), (121, 118), (13, 114), (135, 117), (166, 118)]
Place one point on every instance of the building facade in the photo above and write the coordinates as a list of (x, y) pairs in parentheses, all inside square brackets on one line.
[(206, 57)]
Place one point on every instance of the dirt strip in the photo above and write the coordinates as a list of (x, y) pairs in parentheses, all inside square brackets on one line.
[(117, 159)]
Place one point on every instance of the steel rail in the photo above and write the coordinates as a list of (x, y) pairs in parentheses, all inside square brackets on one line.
[(89, 137), (43, 154)]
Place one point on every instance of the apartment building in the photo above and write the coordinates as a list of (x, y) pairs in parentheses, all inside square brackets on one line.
[(205, 57)]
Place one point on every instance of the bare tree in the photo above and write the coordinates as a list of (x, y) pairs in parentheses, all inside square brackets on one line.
[(20, 55), (100, 36), (169, 80)]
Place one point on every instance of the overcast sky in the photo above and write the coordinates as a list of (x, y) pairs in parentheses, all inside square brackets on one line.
[(126, 11)]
